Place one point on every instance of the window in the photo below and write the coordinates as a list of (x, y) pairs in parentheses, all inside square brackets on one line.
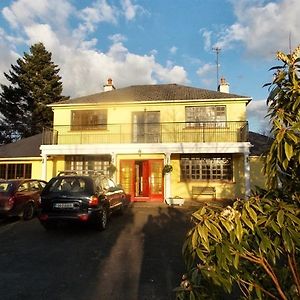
[(4, 187), (87, 162), (89, 119), (24, 187), (35, 186), (73, 185), (199, 116), (107, 183), (206, 167), (146, 127), (13, 171)]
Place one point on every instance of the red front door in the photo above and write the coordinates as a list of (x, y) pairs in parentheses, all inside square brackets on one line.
[(142, 179)]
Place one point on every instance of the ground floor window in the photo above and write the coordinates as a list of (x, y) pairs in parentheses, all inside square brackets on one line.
[(206, 167), (87, 162), (13, 171)]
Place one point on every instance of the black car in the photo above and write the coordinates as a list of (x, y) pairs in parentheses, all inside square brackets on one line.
[(20, 197), (81, 199)]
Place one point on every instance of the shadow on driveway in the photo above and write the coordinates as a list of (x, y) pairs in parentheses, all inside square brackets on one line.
[(137, 257), (163, 265)]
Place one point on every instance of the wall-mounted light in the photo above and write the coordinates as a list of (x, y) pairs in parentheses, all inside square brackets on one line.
[(140, 152)]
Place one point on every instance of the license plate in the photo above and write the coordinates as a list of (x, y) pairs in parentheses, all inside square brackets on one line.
[(63, 205)]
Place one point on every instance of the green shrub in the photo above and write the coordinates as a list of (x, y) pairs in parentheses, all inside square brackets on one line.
[(254, 244)]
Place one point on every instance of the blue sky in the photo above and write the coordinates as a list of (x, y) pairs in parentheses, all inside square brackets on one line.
[(155, 41)]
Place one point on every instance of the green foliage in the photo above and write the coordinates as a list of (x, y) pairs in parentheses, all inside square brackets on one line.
[(247, 244), (282, 163), (167, 169), (34, 83), (254, 244)]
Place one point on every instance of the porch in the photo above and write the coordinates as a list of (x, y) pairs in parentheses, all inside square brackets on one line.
[(139, 157)]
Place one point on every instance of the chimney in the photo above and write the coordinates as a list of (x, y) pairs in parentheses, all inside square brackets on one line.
[(223, 86), (108, 86)]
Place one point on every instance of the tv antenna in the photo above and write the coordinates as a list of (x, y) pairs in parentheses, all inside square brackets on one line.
[(290, 43), (217, 50)]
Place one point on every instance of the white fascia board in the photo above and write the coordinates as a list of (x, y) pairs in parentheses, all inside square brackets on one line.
[(85, 149)]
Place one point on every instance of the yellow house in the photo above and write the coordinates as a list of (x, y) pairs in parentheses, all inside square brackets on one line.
[(162, 140), (21, 159)]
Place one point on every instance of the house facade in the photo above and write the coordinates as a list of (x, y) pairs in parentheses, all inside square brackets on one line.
[(158, 141), (22, 159)]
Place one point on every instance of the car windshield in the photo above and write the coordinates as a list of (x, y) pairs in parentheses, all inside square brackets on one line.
[(5, 187), (68, 184)]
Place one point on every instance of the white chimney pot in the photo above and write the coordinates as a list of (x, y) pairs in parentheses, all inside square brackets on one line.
[(224, 86), (109, 85)]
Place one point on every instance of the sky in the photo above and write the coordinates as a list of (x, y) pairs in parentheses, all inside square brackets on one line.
[(155, 42)]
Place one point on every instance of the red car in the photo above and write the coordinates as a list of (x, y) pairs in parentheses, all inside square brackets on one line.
[(20, 197)]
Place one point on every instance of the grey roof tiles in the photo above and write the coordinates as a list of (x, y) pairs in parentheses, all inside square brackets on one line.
[(158, 92)]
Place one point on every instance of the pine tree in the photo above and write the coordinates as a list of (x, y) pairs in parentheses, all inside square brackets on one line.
[(34, 83)]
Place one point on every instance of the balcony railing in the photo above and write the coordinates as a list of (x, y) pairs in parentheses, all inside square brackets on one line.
[(171, 132)]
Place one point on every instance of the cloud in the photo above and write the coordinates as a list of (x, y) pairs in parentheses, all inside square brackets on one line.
[(118, 52), (207, 74), (130, 10), (173, 74), (206, 69), (83, 68), (257, 110), (27, 12), (207, 39), (173, 50), (42, 32), (117, 38), (99, 12), (7, 55), (24, 11), (153, 52), (264, 29), (90, 70)]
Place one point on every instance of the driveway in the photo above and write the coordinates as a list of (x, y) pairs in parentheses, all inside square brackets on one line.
[(137, 257)]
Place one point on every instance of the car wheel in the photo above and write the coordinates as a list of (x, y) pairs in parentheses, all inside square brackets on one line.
[(28, 211), (102, 221)]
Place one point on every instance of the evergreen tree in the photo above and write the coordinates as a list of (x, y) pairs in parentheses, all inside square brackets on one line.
[(34, 83)]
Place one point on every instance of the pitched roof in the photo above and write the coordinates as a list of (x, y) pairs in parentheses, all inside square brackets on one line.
[(27, 147), (158, 92), (261, 143)]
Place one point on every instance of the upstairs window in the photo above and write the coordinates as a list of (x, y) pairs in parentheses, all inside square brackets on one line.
[(146, 127), (89, 119), (201, 116), (206, 167)]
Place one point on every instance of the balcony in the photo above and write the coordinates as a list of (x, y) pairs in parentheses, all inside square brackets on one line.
[(168, 132)]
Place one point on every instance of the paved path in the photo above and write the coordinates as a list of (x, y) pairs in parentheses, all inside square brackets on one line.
[(138, 257), (145, 261)]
